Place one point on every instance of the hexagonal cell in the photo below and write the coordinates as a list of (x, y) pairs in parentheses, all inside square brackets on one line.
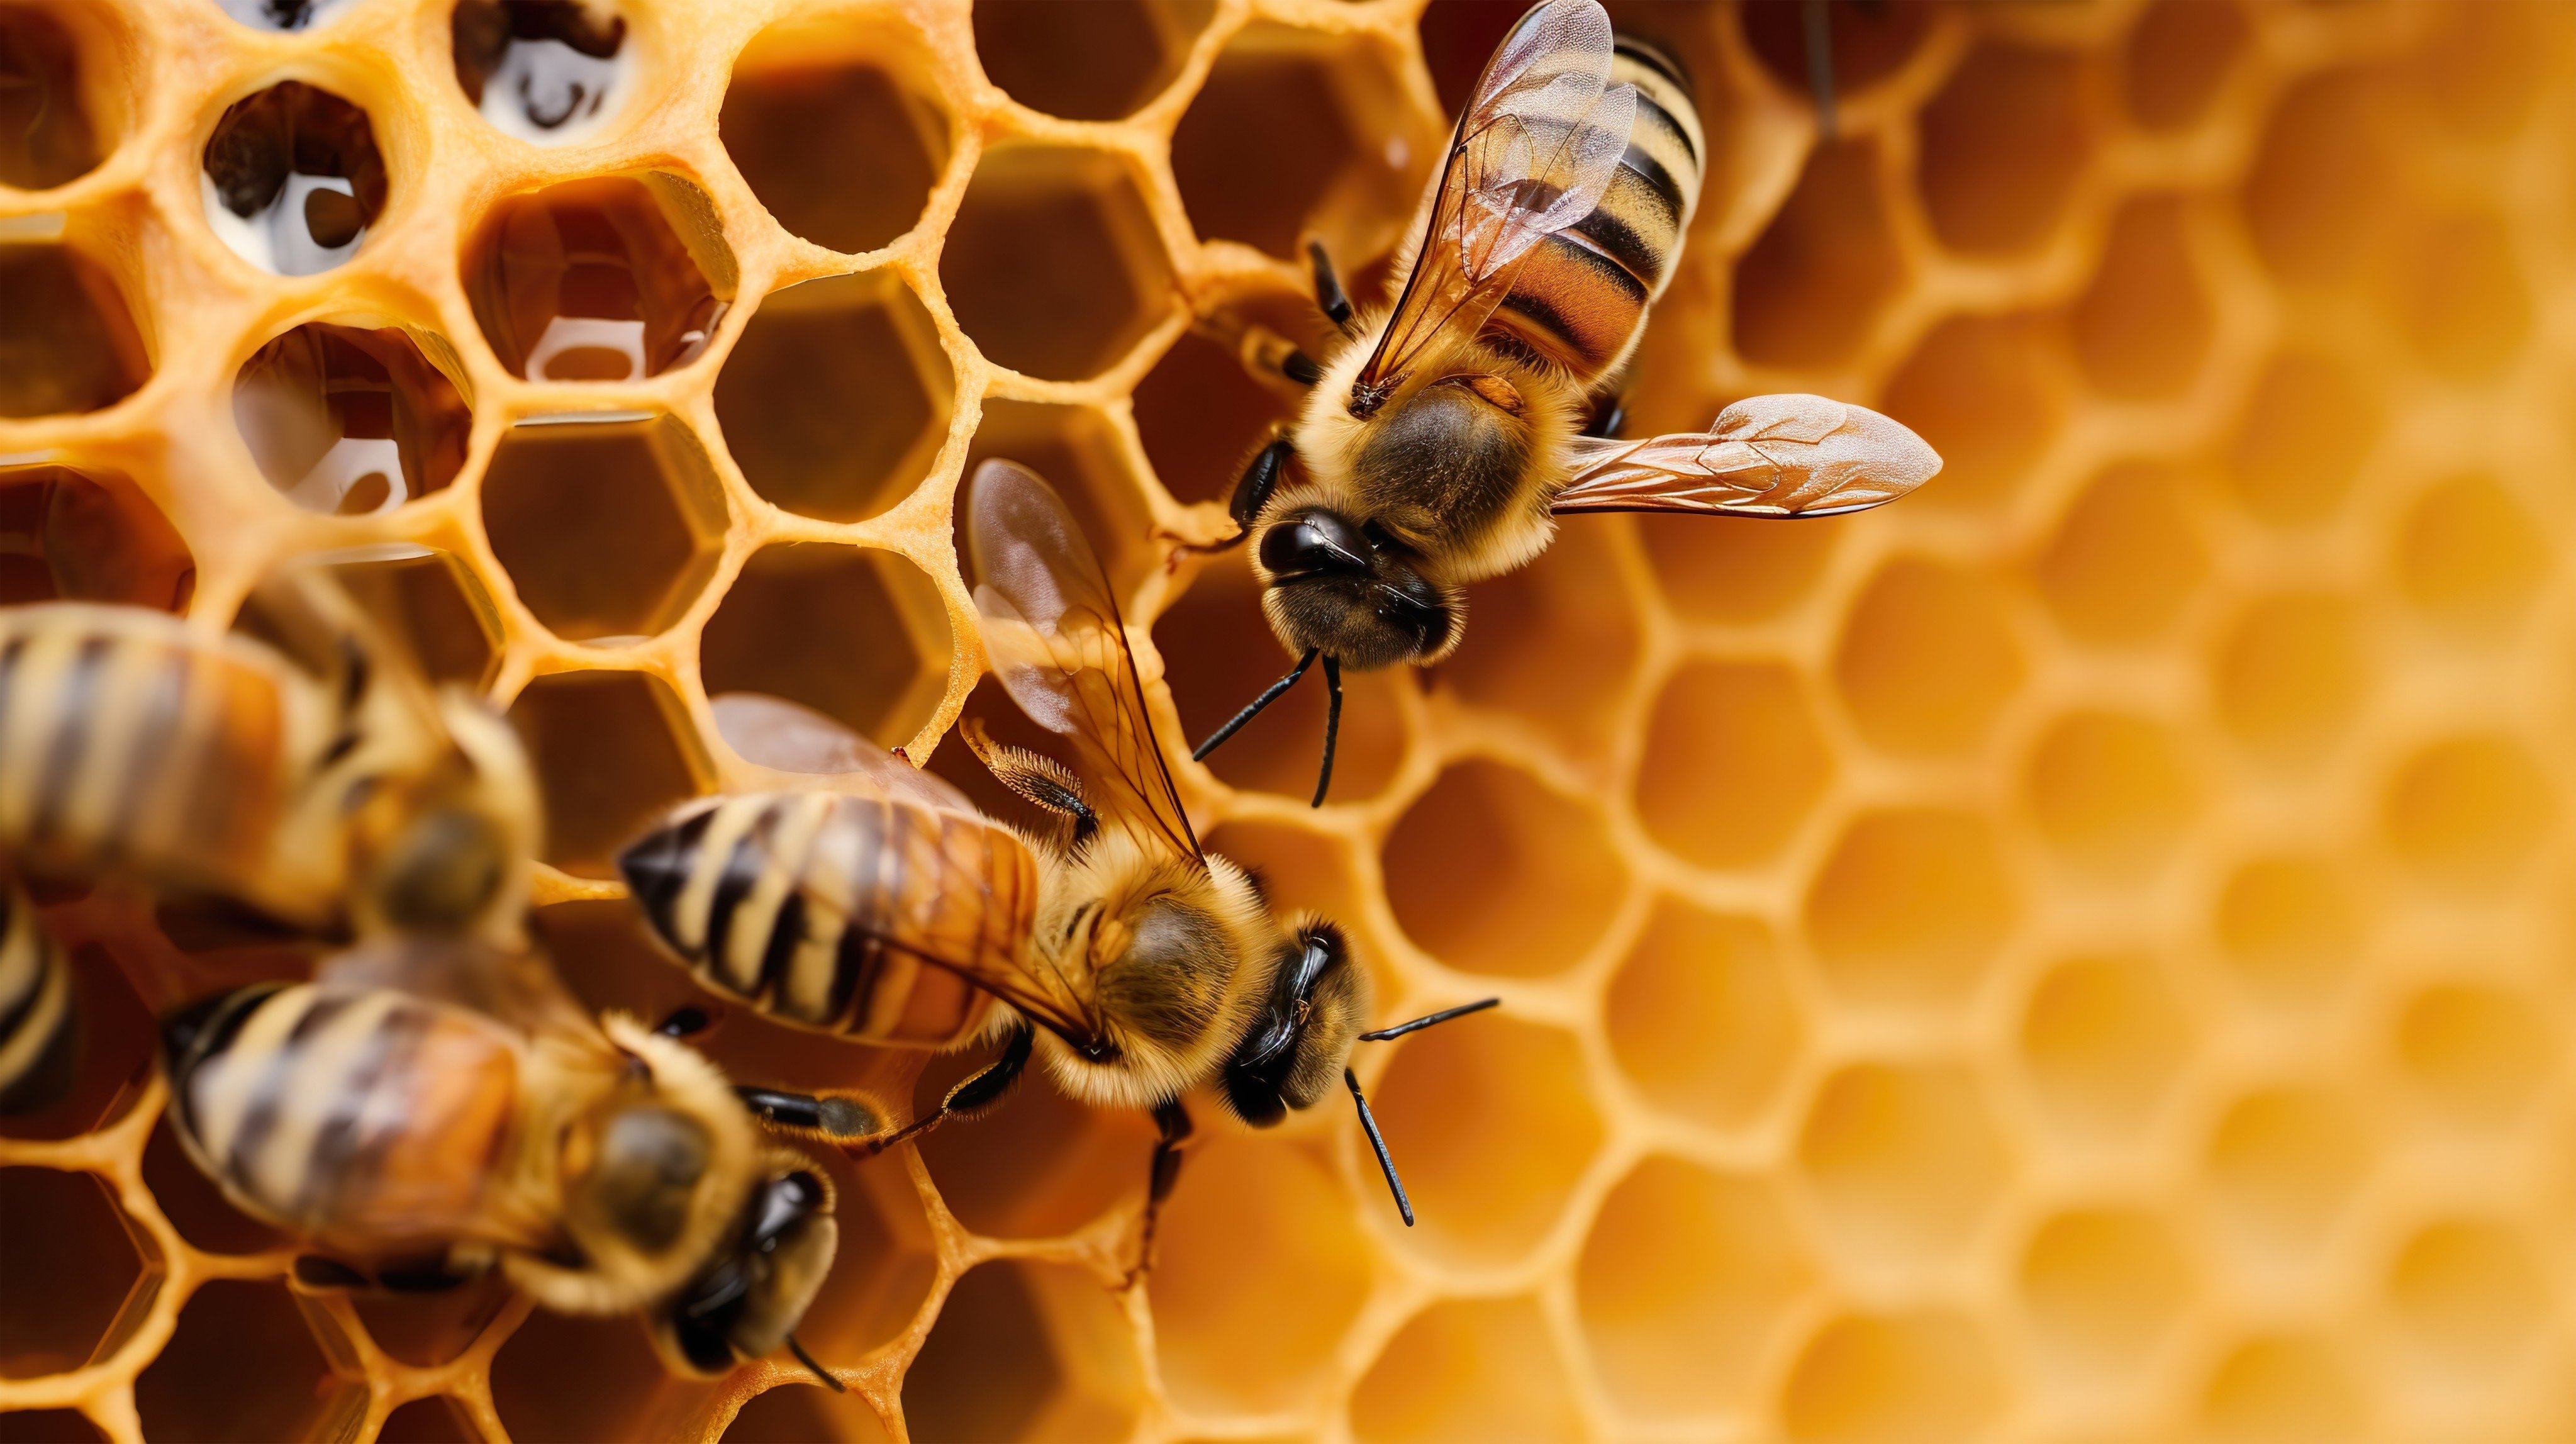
[(434, 1420), (836, 400), (1979, 389), (2303, 437), (2453, 286), (1701, 1018), (2283, 1164), (1736, 569), (2468, 1296), (2283, 1387), (855, 633), (285, 15), (426, 1330), (1297, 1292), (609, 523), (1081, 455), (1200, 415), (1039, 1165), (2476, 1052), (71, 1262), (71, 343), (1927, 657), (353, 420), (1556, 644), (1299, 870), (886, 1263), (1868, 41), (611, 278), (1905, 1378), (1092, 62), (2102, 1287), (2468, 811), (1909, 907), (293, 180), (48, 1426), (1296, 131), (1901, 1158), (2478, 69), (1025, 1351), (793, 1413), (2291, 675), (2103, 1039), (243, 1365), (432, 602), (1686, 1276), (611, 750), (57, 68), (118, 1043), (838, 130), (1053, 266), (2289, 926), (88, 535), (1733, 763), (616, 1387), (2110, 790), (195, 1206), (1807, 292), (2469, 554), (541, 70), (1496, 874), (1467, 1369), (2002, 145), (2144, 324), (1492, 1126), (2126, 557), (2179, 56), (2317, 192)]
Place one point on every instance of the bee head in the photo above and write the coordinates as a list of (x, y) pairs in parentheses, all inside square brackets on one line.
[(1302, 1037), (1351, 591), (748, 1299), (453, 847)]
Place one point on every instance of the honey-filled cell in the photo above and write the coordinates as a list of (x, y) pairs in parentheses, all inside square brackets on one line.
[(1864, 42), (621, 1390), (612, 750), (352, 420), (836, 400), (244, 1365), (856, 634), (1053, 265), (69, 343), (1808, 291), (837, 131), (1294, 134), (802, 1412), (72, 1259), (612, 278), (1024, 1351), (2003, 145), (608, 523), (1089, 62), (58, 69), (88, 535), (432, 604)]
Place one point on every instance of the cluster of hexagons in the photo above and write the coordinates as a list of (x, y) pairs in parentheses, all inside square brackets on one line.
[(2079, 954)]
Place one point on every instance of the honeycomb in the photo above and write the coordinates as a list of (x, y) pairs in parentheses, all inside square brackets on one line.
[(2083, 954)]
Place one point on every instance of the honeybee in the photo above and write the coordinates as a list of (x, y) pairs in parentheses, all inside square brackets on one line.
[(1440, 440), (876, 903), (39, 1016)]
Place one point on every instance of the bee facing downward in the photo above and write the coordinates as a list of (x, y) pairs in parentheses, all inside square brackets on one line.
[(1441, 439)]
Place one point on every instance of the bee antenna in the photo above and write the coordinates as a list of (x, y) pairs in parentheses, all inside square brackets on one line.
[(1368, 1124), (1427, 1019), (1819, 26), (1332, 726), (1268, 695), (798, 1349)]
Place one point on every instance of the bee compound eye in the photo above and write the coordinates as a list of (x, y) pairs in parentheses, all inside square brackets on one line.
[(1314, 543)]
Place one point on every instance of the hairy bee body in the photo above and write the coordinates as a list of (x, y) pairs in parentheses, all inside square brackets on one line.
[(39, 1020)]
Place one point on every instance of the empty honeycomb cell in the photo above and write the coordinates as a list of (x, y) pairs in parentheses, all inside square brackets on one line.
[(1080, 454), (2317, 192), (1052, 265), (1808, 291), (854, 633), (1736, 569), (2478, 1053), (1200, 415), (243, 1365), (2103, 1039), (2291, 673), (434, 1420), (1909, 907), (1493, 1126), (1867, 41), (612, 278), (2127, 556), (69, 343), (195, 1205), (2304, 431), (1922, 1377), (1024, 1353), (351, 420), (1465, 1370), (794, 1413), (2284, 1162), (2109, 790), (608, 522), (71, 1263), (287, 15), (1297, 870), (89, 535), (118, 1042), (48, 1426), (1927, 657), (2144, 324), (293, 180), (1039, 1165), (1219, 626), (48, 134), (428, 1329), (1684, 1281), (1556, 642), (2281, 1389), (432, 603), (1255, 1243), (1296, 132), (2468, 1296), (2468, 811), (1542, 877), (545, 72), (1901, 1159), (611, 749), (2480, 68), (2290, 926), (2468, 553), (1734, 763), (1087, 62), (885, 1264), (1701, 1018), (2003, 144), (2454, 288), (621, 1390), (2180, 55), (1980, 389), (836, 400), (837, 131), (2102, 1287)]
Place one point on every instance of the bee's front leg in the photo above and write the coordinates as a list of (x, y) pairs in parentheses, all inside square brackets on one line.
[(1173, 1121)]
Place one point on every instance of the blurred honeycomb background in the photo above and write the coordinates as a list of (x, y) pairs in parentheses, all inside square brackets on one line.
[(2081, 955)]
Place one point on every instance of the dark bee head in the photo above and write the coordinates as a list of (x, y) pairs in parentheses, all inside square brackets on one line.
[(442, 872), (443, 851), (1302, 1037), (748, 1299), (1350, 591)]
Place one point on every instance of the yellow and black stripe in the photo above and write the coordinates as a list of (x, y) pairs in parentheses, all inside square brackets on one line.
[(39, 1011)]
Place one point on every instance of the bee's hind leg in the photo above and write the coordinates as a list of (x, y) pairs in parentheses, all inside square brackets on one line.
[(981, 1090), (1173, 1121)]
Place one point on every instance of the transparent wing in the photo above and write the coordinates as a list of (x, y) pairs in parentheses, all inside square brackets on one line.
[(1060, 650), (784, 736), (1533, 153), (1792, 455), (517, 986)]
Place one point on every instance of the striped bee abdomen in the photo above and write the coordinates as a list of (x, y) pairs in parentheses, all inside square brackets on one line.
[(39, 1016), (853, 915)]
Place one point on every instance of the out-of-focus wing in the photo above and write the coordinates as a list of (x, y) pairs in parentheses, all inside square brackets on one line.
[(1060, 650), (517, 986), (1791, 455), (784, 736), (1533, 153)]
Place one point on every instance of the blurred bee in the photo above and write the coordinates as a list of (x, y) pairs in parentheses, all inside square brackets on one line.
[(1443, 437), (1133, 962), (39, 1018)]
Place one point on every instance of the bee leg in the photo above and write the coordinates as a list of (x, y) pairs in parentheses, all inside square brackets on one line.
[(1820, 63), (1033, 775), (1251, 493), (1330, 298), (980, 1091), (1606, 422), (1173, 1120), (828, 1118)]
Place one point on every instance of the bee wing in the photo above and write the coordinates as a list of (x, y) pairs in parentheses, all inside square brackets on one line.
[(783, 736), (1793, 455), (1060, 650), (517, 986), (1533, 152)]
